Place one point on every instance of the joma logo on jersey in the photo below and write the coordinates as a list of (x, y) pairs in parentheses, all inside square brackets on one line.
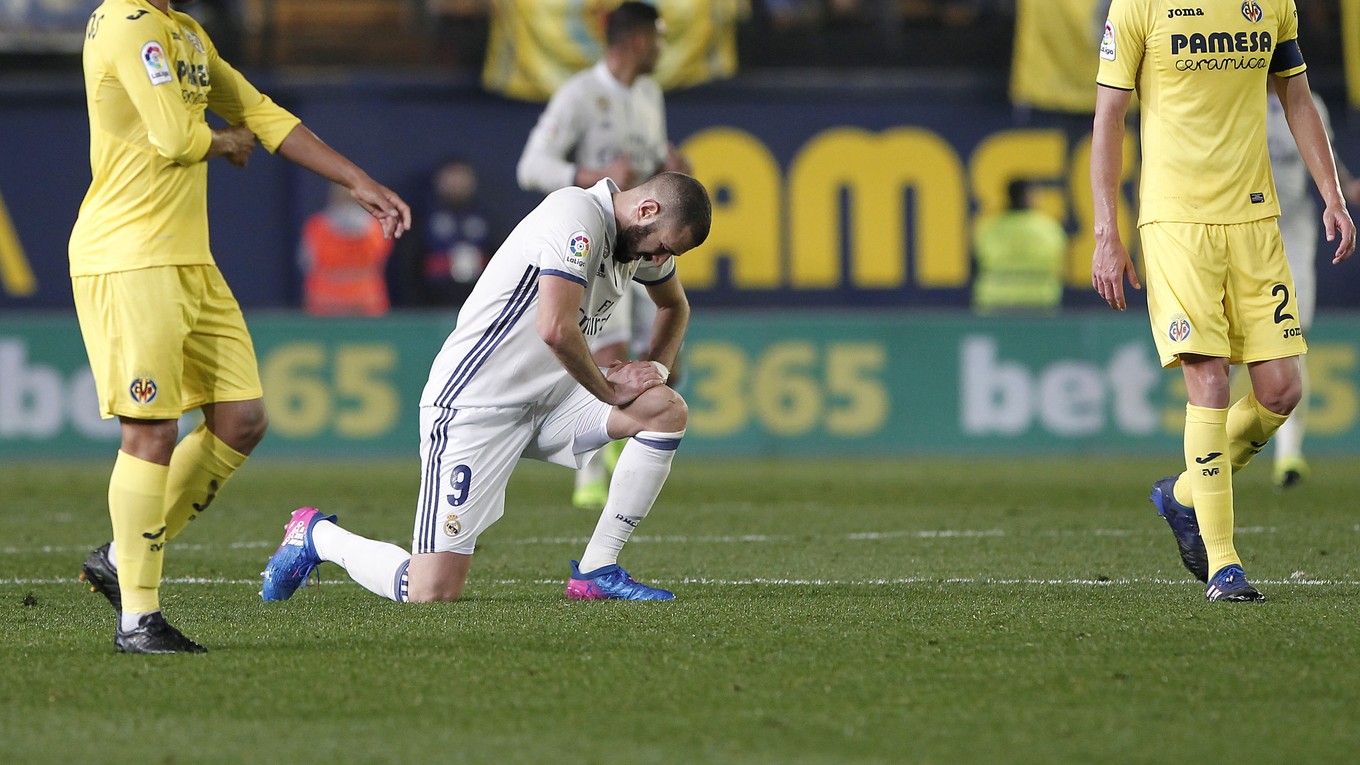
[(1172, 13), (143, 390), (1221, 42)]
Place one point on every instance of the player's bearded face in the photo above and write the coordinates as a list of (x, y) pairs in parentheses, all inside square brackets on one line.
[(631, 240)]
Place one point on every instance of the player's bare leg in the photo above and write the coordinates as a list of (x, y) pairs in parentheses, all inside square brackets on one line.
[(239, 424), (438, 576)]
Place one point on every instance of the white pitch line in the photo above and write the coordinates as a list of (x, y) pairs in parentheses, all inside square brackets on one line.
[(642, 538), (861, 536), (64, 549), (707, 581)]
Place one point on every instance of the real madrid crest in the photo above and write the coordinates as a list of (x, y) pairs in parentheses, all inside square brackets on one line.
[(453, 526)]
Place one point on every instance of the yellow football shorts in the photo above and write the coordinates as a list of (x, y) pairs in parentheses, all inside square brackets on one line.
[(1220, 290), (164, 340)]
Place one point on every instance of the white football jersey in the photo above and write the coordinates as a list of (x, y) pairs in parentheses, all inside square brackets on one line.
[(495, 357), (590, 121)]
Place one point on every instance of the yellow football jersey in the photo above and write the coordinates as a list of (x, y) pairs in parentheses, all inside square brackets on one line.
[(1200, 69), (149, 78)]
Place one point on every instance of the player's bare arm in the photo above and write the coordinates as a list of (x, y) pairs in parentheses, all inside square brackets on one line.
[(305, 149), (672, 321), (1110, 263), (1311, 136), (559, 302)]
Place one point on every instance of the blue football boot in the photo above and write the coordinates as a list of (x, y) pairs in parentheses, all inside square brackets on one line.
[(1184, 525), (1230, 585), (296, 558), (610, 583)]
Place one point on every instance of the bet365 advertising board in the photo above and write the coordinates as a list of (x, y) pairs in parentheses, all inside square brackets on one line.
[(757, 383)]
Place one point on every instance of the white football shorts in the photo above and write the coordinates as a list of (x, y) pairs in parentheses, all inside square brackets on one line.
[(468, 454)]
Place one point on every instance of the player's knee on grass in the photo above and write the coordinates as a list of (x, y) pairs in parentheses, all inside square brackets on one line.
[(437, 577)]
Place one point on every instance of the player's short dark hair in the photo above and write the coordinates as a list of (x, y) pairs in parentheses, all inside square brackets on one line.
[(1017, 192), (688, 199), (627, 20)]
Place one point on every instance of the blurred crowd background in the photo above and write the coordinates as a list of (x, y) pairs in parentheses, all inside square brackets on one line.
[(868, 160), (972, 35)]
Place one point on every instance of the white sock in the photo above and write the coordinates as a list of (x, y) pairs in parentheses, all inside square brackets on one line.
[(379, 566), (129, 622), (592, 471), (1289, 438), (638, 478), (113, 559)]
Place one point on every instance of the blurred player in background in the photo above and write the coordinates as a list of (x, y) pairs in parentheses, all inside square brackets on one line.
[(1219, 287), (1299, 229), (608, 121), (516, 380), (163, 332)]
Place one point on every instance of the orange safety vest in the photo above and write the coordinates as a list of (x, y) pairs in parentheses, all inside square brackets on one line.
[(346, 276)]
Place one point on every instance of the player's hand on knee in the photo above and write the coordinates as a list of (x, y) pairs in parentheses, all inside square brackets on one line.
[(631, 379)]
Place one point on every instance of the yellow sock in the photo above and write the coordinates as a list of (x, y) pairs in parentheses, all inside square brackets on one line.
[(1210, 478), (137, 508), (199, 468), (1250, 426)]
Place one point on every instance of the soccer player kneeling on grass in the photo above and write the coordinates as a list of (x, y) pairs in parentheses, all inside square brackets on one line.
[(516, 379)]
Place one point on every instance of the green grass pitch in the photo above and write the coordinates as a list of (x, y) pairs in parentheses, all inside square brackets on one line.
[(829, 611)]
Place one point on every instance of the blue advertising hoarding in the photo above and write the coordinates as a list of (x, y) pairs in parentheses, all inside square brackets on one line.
[(832, 196)]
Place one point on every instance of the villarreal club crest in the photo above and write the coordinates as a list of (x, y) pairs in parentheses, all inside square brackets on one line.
[(143, 390)]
